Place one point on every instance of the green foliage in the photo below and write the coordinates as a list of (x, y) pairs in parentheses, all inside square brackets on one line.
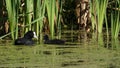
[(98, 12), (53, 16), (93, 14), (33, 12), (12, 8), (39, 11), (29, 12), (50, 5), (115, 21)]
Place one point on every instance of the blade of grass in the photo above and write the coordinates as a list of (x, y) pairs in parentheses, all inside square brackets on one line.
[(28, 17), (12, 15), (115, 25), (101, 10), (50, 5)]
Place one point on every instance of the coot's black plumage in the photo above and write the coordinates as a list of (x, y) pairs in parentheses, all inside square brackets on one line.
[(53, 41), (27, 39)]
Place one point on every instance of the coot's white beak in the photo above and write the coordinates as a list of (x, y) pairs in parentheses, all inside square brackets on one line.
[(35, 36)]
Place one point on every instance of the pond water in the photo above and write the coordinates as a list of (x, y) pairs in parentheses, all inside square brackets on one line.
[(80, 51)]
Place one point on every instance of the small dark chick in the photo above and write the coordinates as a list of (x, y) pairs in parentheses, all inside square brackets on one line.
[(27, 39), (53, 41)]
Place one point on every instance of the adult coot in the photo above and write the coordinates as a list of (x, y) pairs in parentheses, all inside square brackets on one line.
[(53, 41), (27, 39)]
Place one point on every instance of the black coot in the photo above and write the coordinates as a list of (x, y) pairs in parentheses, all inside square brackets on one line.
[(53, 41), (27, 39)]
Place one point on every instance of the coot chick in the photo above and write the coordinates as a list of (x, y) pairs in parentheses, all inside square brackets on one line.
[(53, 41), (27, 39)]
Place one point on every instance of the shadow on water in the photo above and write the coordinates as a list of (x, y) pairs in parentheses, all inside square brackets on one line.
[(82, 50)]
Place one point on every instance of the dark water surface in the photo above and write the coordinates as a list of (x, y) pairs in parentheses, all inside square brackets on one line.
[(80, 51)]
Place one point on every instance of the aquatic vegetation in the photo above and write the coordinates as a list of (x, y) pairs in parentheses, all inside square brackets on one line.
[(28, 11), (25, 15), (98, 12), (12, 6), (115, 21), (53, 12)]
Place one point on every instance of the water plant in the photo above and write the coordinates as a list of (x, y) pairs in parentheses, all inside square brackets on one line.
[(93, 13), (28, 14), (33, 22), (33, 11), (50, 5), (115, 21), (12, 8), (39, 11), (53, 15), (13, 15), (98, 16)]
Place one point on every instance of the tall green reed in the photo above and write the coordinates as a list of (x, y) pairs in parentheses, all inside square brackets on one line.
[(98, 17), (115, 21), (33, 22), (12, 8), (93, 13), (34, 14), (58, 16), (13, 15), (50, 5), (53, 15), (28, 13), (101, 11), (39, 11)]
